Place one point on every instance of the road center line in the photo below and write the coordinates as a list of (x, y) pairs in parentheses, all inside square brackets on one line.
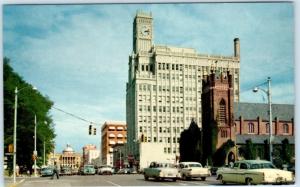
[(112, 183)]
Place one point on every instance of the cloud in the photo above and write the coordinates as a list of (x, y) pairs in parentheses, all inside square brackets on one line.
[(78, 54)]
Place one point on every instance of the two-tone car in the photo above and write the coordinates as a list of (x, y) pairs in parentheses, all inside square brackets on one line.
[(88, 170), (161, 171), (48, 171), (188, 170), (254, 172)]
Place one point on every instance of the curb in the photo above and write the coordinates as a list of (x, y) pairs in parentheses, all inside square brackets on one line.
[(15, 185)]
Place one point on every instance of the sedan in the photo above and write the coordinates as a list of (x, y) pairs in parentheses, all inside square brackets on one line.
[(254, 172)]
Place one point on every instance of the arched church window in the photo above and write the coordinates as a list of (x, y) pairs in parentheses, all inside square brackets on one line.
[(250, 127), (222, 111)]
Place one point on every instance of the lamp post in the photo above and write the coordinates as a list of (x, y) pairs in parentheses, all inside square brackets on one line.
[(120, 158), (268, 92), (35, 152), (15, 131)]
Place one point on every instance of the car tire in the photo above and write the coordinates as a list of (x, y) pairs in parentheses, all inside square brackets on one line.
[(248, 181), (184, 177), (174, 180), (203, 178), (220, 177), (146, 177)]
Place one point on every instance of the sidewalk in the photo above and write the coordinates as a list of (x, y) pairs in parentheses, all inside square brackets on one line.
[(8, 181)]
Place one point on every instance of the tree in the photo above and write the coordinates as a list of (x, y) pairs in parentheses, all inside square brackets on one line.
[(285, 151), (219, 156), (30, 103), (250, 152), (190, 144)]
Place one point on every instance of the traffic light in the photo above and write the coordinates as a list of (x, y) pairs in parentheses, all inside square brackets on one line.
[(90, 130), (10, 148), (95, 131)]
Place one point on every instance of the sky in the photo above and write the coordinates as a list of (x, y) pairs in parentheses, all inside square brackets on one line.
[(77, 55)]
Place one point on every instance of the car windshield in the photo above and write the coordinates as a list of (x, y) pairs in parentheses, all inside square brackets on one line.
[(262, 166), (195, 165)]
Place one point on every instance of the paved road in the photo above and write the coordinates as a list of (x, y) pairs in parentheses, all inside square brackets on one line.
[(113, 180)]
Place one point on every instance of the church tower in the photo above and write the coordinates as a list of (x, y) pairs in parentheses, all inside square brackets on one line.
[(142, 32), (217, 111)]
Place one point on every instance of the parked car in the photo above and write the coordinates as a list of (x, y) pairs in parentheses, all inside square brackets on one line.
[(124, 171), (105, 170), (65, 171), (254, 172), (88, 170), (160, 171), (188, 170), (46, 171)]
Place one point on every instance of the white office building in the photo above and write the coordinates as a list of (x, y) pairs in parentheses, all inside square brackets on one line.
[(164, 88)]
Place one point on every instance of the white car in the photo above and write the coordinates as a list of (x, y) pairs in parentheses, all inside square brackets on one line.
[(105, 170), (254, 172), (188, 170), (160, 171)]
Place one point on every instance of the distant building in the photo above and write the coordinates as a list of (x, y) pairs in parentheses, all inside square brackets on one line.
[(67, 158), (164, 88), (85, 150), (112, 132), (93, 156)]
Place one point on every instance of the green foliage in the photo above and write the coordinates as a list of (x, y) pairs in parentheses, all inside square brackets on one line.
[(30, 103), (190, 144), (219, 156), (248, 151), (210, 139), (286, 151)]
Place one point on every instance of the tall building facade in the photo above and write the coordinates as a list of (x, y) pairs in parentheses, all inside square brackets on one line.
[(112, 133), (164, 88), (86, 150)]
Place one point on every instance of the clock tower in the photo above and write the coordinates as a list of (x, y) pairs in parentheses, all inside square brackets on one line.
[(142, 32)]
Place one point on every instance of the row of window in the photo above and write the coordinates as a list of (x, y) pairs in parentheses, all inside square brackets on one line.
[(251, 128), (166, 88), (161, 139), (163, 99), (174, 109), (160, 119), (162, 129), (168, 150)]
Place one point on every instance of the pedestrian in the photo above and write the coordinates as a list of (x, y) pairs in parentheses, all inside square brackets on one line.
[(55, 171)]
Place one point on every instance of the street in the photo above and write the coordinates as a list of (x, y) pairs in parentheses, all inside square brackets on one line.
[(111, 180)]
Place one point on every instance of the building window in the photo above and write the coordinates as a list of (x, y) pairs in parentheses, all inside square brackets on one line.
[(285, 128), (222, 111), (223, 133), (267, 128), (250, 127)]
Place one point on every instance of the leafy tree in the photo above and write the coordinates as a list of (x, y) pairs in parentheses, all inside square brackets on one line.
[(190, 143), (30, 103), (266, 150), (285, 151), (219, 156), (248, 151)]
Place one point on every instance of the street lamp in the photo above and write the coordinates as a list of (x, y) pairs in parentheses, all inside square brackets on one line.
[(120, 159), (15, 129), (268, 92)]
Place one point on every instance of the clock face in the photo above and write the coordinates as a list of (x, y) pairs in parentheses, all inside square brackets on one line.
[(145, 30)]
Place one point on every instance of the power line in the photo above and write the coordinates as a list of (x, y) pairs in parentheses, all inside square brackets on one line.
[(73, 115)]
